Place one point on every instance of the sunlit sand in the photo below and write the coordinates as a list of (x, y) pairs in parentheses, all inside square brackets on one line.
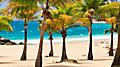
[(10, 54)]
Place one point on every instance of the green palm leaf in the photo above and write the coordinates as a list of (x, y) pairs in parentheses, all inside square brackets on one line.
[(112, 8), (5, 23)]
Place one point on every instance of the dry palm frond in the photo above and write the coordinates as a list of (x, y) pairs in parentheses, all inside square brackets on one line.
[(112, 20)]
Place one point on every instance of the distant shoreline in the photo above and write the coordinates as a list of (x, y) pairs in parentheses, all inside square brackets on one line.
[(69, 39)]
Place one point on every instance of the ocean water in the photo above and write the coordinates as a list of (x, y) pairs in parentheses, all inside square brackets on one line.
[(34, 32)]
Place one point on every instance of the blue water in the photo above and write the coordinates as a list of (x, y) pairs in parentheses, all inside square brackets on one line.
[(34, 33)]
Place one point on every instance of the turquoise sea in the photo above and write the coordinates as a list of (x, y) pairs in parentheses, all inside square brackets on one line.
[(34, 33)]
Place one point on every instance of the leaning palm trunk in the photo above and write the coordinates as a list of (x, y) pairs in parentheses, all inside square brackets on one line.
[(64, 55), (116, 61), (111, 46), (90, 54), (51, 46), (24, 55), (38, 62)]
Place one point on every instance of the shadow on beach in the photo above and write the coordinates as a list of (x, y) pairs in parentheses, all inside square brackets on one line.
[(94, 59), (7, 62), (51, 56), (63, 66), (3, 56)]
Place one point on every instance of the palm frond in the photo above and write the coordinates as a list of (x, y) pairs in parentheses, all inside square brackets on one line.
[(22, 9), (5, 23), (112, 20), (84, 22), (62, 3), (111, 8)]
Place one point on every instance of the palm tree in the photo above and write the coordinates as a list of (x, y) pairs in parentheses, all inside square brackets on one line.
[(87, 22), (23, 10), (113, 22), (116, 62), (51, 38), (50, 29), (114, 10), (104, 14), (65, 21), (46, 15), (90, 7)]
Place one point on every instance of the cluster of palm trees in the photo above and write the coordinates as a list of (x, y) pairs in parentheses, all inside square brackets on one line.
[(60, 15)]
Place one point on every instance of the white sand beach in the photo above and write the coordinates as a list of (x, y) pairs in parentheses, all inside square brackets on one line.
[(10, 54)]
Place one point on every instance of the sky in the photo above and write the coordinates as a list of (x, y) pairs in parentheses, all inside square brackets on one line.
[(3, 4)]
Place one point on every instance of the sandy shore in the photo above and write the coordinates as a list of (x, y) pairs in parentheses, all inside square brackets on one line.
[(78, 50)]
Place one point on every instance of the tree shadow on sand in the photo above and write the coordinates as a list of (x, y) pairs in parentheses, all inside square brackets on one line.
[(102, 59), (24, 60), (52, 56), (94, 59), (7, 62), (3, 56), (63, 66)]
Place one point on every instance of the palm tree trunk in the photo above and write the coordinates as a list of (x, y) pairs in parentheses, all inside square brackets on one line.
[(90, 54), (64, 55), (111, 46), (38, 62), (116, 61), (24, 55), (51, 46)]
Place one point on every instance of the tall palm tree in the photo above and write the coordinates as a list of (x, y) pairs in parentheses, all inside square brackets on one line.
[(22, 10), (87, 22), (65, 21), (113, 22), (51, 44), (50, 29), (114, 10), (116, 62), (90, 8), (46, 15)]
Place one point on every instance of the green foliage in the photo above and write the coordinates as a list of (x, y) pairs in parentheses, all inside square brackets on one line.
[(62, 3), (94, 4), (26, 2), (111, 9), (22, 8), (85, 22), (78, 10), (5, 23), (60, 18)]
